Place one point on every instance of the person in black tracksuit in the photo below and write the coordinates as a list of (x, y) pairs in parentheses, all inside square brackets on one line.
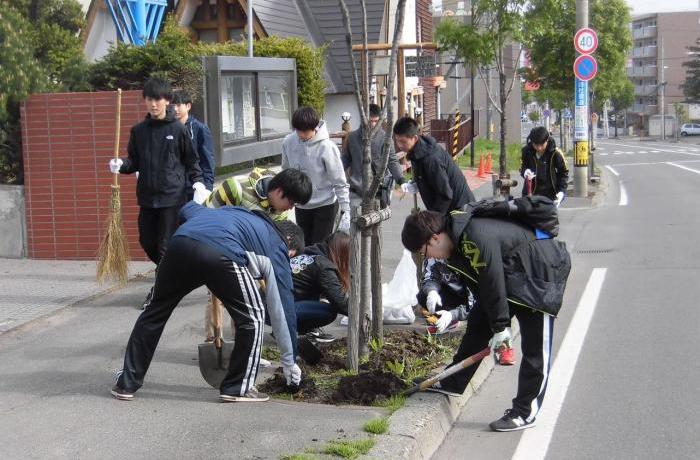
[(226, 249), (541, 158), (160, 151), (441, 184), (476, 248)]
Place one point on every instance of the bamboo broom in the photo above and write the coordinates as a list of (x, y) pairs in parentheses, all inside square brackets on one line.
[(113, 254)]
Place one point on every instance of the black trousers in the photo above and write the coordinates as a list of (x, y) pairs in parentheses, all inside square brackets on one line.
[(536, 330), (187, 265), (317, 223), (156, 226)]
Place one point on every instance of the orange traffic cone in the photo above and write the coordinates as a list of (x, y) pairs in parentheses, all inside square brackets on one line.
[(488, 169), (481, 172)]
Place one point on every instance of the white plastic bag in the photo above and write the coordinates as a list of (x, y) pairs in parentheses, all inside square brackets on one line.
[(399, 295)]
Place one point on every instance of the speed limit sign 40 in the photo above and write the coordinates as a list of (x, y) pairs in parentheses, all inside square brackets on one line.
[(586, 41)]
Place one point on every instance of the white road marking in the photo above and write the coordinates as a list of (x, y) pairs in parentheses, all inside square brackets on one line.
[(649, 163), (612, 170), (534, 442), (659, 149), (623, 195), (683, 167)]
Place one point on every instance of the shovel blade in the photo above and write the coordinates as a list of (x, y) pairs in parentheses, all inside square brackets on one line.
[(213, 362)]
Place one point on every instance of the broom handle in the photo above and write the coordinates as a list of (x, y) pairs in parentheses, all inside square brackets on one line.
[(115, 179)]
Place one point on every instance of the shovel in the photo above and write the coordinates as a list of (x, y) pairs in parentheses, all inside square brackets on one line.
[(214, 356), (470, 361)]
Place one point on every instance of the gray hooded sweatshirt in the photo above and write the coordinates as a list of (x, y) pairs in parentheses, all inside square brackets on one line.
[(319, 158)]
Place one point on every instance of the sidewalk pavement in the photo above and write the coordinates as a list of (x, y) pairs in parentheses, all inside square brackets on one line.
[(56, 371)]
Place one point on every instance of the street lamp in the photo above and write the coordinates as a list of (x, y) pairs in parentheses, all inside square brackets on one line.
[(418, 113)]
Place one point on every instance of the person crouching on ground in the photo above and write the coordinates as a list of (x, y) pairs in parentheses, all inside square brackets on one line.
[(476, 247), (225, 249)]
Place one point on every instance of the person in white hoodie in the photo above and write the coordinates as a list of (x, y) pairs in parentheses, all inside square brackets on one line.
[(310, 150)]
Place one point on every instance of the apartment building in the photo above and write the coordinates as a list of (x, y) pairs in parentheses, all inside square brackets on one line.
[(659, 50)]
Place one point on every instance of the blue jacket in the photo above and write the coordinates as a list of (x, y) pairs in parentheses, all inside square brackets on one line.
[(250, 240), (204, 146)]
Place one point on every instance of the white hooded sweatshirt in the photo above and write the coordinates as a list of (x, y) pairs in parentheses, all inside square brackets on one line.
[(318, 158)]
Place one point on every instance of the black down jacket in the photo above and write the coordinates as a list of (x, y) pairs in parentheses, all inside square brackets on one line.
[(315, 276)]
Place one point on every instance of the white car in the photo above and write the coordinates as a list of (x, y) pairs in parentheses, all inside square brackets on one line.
[(690, 129)]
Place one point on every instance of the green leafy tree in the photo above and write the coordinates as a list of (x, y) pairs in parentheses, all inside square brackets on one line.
[(491, 39), (549, 36), (691, 86)]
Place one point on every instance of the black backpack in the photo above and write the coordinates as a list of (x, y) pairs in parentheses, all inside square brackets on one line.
[(537, 212)]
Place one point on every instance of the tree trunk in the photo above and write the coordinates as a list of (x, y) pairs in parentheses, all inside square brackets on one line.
[(354, 303), (377, 309), (503, 100)]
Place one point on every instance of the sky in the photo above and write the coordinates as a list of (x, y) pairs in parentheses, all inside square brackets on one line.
[(660, 6)]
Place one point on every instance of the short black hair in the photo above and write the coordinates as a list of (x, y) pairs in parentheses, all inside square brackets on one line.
[(419, 227), (406, 126), (293, 234), (305, 119), (157, 88), (181, 97), (375, 110), (294, 184), (539, 135)]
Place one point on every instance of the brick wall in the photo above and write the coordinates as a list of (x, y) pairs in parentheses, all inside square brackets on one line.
[(67, 140), (424, 16)]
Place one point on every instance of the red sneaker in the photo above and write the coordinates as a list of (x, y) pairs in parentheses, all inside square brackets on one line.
[(505, 356)]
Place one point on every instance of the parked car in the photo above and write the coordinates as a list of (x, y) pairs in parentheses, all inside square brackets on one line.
[(690, 129)]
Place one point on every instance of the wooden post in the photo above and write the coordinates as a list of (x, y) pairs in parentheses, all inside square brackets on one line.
[(377, 307), (401, 92), (354, 303)]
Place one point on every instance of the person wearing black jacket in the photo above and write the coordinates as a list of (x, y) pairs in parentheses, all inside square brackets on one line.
[(479, 249), (441, 184), (544, 164), (160, 151)]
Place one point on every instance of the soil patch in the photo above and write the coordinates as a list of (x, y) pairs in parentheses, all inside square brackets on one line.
[(389, 370)]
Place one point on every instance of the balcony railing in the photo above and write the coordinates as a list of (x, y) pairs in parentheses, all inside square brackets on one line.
[(639, 71), (644, 32)]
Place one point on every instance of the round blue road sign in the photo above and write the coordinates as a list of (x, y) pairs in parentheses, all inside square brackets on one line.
[(585, 67)]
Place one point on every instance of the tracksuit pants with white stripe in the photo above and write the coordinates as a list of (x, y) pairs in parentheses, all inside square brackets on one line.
[(187, 265), (536, 330)]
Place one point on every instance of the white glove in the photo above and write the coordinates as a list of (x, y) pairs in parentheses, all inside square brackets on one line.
[(137, 175), (499, 339), (528, 174), (292, 374), (409, 187), (444, 321), (559, 198), (433, 300), (344, 224), (115, 164), (200, 193)]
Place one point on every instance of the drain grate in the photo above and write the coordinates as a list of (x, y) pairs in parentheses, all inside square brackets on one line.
[(594, 251)]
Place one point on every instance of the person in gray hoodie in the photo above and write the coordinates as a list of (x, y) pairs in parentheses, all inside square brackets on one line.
[(310, 150)]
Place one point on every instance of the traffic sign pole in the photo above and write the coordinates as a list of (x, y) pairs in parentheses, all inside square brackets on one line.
[(581, 114)]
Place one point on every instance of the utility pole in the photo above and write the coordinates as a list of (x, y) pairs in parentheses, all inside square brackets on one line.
[(472, 71), (581, 117), (662, 88)]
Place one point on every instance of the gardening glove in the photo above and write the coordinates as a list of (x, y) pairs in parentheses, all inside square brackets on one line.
[(444, 321), (292, 374), (409, 187), (500, 339), (200, 193), (432, 301), (137, 175), (344, 224), (528, 174), (115, 165), (559, 198)]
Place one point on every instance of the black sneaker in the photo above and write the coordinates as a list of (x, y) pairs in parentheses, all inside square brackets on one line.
[(122, 394), (252, 395), (511, 421), (146, 302), (319, 335), (308, 351)]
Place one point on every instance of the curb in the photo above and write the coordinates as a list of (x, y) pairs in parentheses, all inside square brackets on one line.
[(417, 430)]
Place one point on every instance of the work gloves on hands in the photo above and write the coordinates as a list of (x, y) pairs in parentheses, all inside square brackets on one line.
[(444, 321), (500, 339), (292, 374), (528, 174), (559, 198), (200, 192), (344, 224), (409, 187), (115, 165), (432, 301)]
